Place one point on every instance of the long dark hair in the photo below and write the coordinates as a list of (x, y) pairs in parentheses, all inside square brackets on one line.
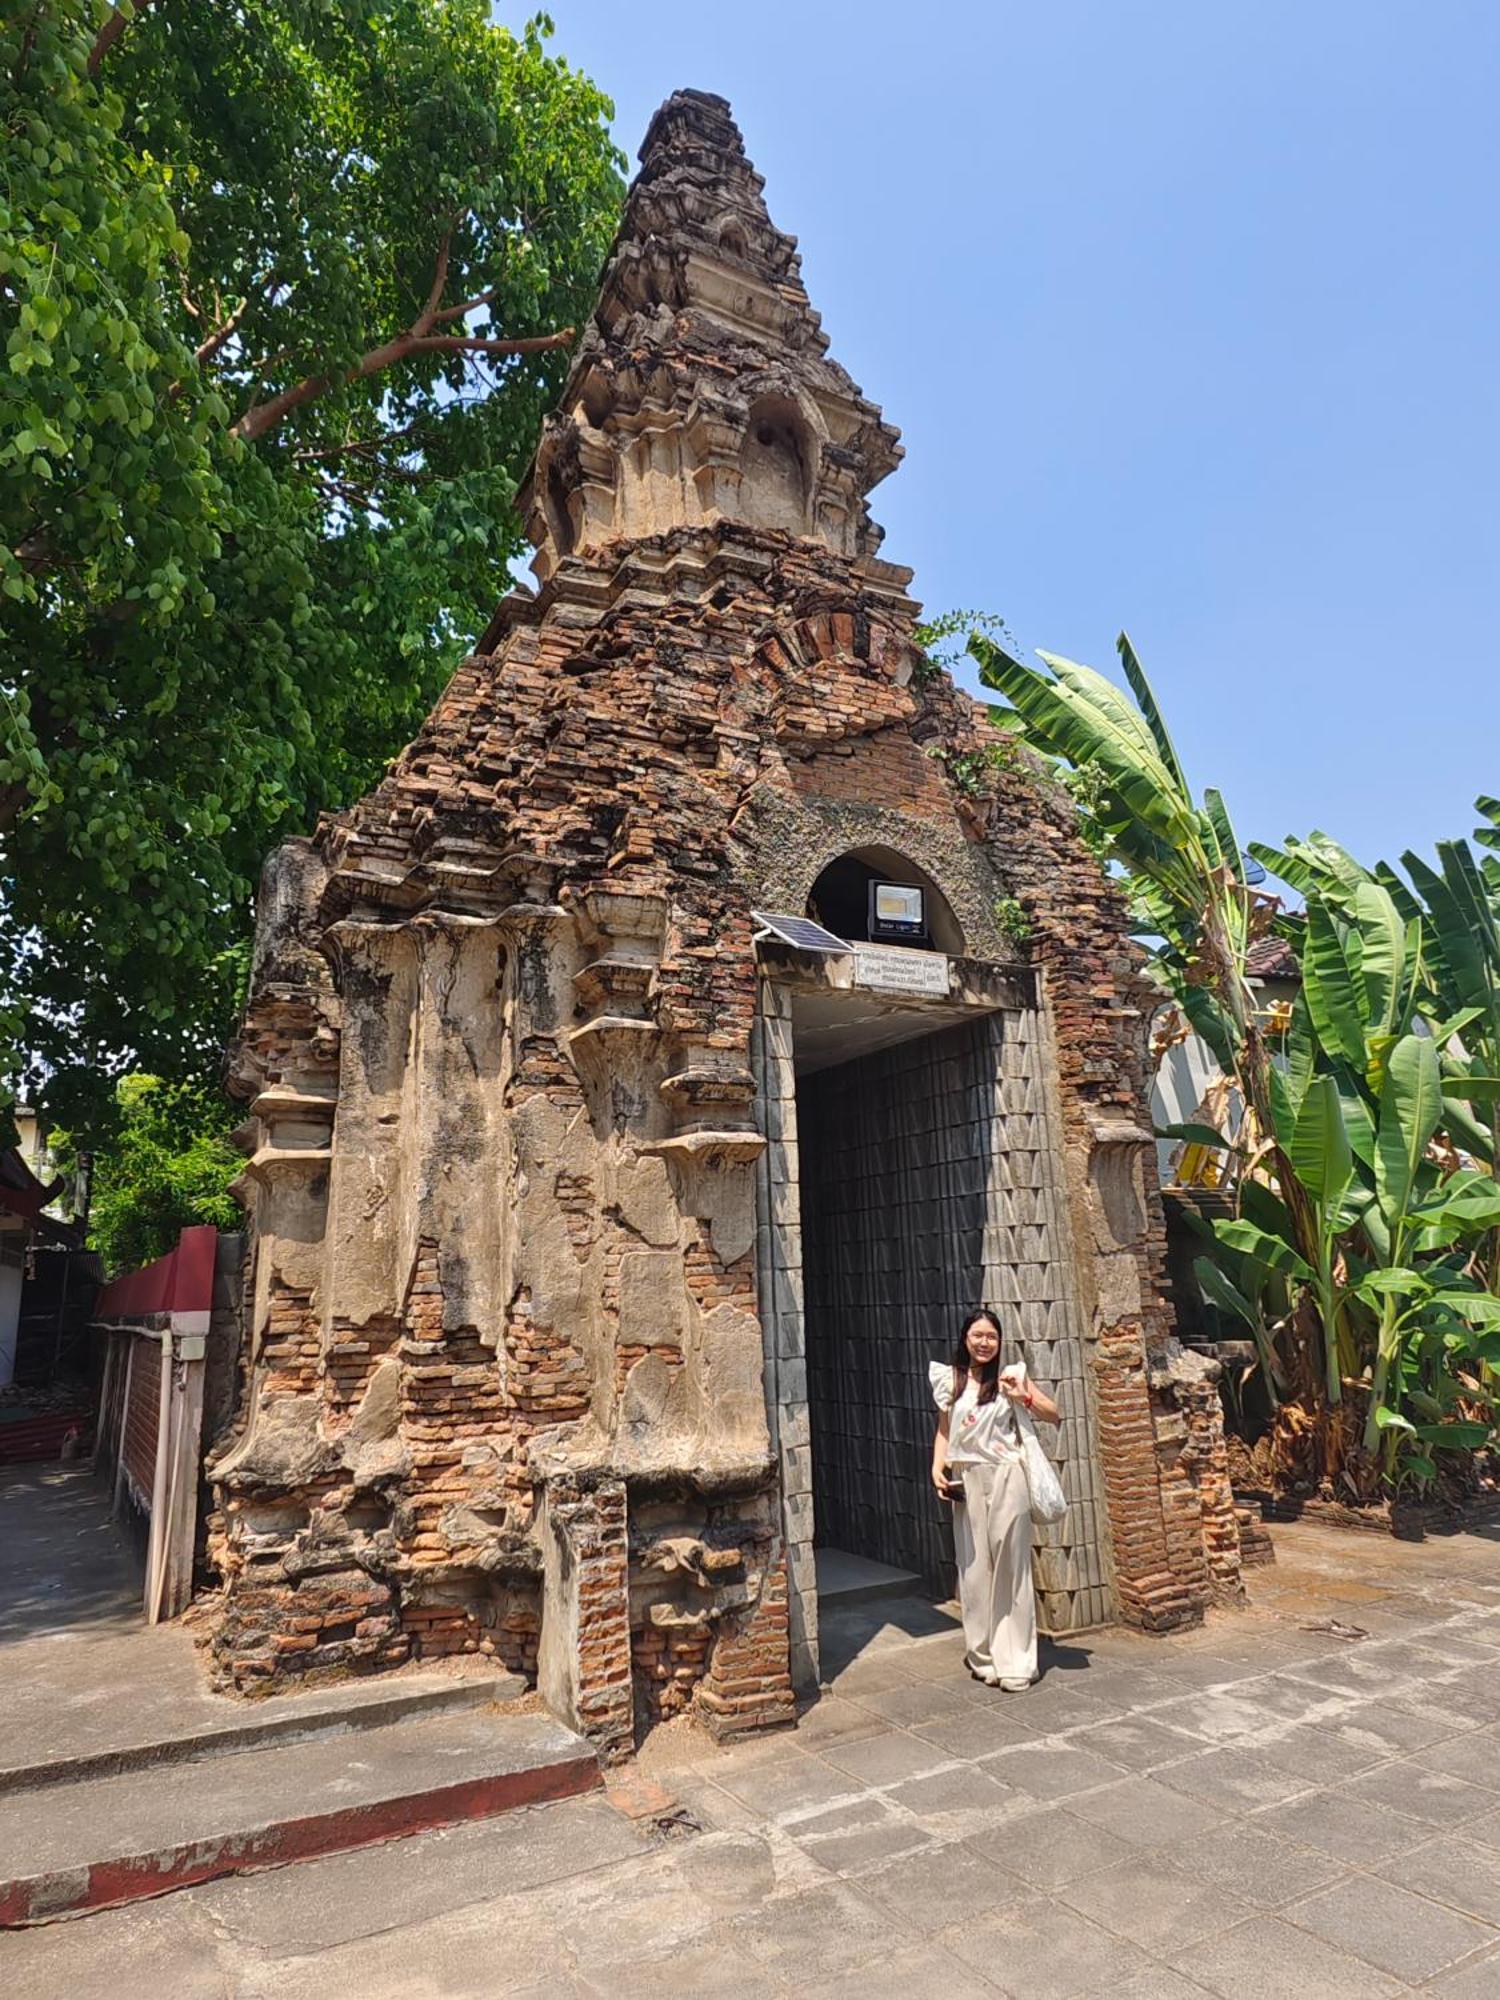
[(987, 1376)]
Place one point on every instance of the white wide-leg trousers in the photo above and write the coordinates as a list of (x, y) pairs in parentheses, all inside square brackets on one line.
[(992, 1541)]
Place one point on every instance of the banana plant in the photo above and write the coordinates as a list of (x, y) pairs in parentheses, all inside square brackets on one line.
[(1423, 1212), (1185, 871), (1349, 1214), (1451, 920)]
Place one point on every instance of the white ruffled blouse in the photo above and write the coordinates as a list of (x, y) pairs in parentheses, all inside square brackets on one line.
[(978, 1433)]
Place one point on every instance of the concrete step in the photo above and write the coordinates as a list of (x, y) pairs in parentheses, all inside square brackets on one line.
[(845, 1578), (93, 1844), (206, 1726)]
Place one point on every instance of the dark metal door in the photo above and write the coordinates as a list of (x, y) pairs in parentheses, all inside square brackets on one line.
[(894, 1156)]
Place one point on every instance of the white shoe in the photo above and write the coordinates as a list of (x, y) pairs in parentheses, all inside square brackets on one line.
[(1011, 1686), (985, 1674)]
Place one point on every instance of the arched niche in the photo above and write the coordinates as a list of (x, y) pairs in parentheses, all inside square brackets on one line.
[(556, 500), (775, 466), (840, 897)]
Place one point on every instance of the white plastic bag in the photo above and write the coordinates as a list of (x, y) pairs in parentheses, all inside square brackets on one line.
[(1048, 1501)]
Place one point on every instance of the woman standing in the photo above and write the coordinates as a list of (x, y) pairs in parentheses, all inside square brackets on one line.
[(978, 1467)]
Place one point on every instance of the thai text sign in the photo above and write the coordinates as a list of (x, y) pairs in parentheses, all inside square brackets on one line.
[(895, 971)]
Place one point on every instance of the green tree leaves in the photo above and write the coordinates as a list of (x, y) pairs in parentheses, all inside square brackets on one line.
[(168, 1166), (207, 637)]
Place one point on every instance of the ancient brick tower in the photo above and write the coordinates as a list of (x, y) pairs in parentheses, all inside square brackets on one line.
[(562, 1346)]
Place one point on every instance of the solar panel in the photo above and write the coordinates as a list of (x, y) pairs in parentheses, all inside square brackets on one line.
[(799, 931)]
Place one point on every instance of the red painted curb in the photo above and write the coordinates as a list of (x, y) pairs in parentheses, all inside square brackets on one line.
[(105, 1885)]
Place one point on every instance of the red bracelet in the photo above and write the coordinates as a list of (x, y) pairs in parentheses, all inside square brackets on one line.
[(1028, 1395)]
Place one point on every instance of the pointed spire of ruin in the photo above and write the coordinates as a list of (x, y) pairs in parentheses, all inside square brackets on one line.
[(702, 390)]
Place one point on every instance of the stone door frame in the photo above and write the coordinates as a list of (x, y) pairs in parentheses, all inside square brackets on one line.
[(1074, 1567)]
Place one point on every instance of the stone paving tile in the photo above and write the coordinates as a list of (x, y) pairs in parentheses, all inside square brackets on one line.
[(95, 1958), (1478, 1980), (1161, 1908), (1266, 1959), (710, 1805), (714, 1968), (1424, 1658), (1234, 1780), (1355, 1672), (1217, 1717), (672, 1897), (1398, 1726), (1486, 1831), (832, 1719), (1146, 1813), (855, 1849), (1414, 1789), (920, 1970), (1318, 1755), (1056, 1704), (1475, 1756), (446, 1955), (1459, 1873), (1041, 1950), (929, 1658), (1204, 1670), (1473, 1690), (813, 1935), (1348, 1829), (1401, 1933), (868, 1674), (887, 1759), (1051, 1770), (926, 1891), (1131, 1687), (977, 1732), (959, 1802), (1158, 1982), (1051, 1847), (782, 1784), (1466, 1645), (917, 1701), (1139, 1742), (287, 1912), (1241, 1859), (1291, 1700)]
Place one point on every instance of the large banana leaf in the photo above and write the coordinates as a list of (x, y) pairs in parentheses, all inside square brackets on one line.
[(1224, 848), (1334, 998), (1288, 866), (1080, 716), (1316, 866), (1411, 1105), (1266, 1209), (1467, 888), (1145, 694), (1465, 977), (1220, 1291), (1263, 1248), (1319, 1151), (1382, 959)]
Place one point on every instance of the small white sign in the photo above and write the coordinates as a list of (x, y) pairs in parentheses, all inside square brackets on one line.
[(889, 970)]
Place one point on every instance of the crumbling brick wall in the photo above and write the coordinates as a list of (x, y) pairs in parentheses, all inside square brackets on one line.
[(497, 1049)]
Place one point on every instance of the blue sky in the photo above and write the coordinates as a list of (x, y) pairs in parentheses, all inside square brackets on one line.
[(1188, 316)]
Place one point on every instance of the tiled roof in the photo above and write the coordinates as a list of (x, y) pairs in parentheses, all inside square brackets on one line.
[(1272, 958)]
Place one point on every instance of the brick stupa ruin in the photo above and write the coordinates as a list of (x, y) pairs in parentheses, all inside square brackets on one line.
[(598, 1240)]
